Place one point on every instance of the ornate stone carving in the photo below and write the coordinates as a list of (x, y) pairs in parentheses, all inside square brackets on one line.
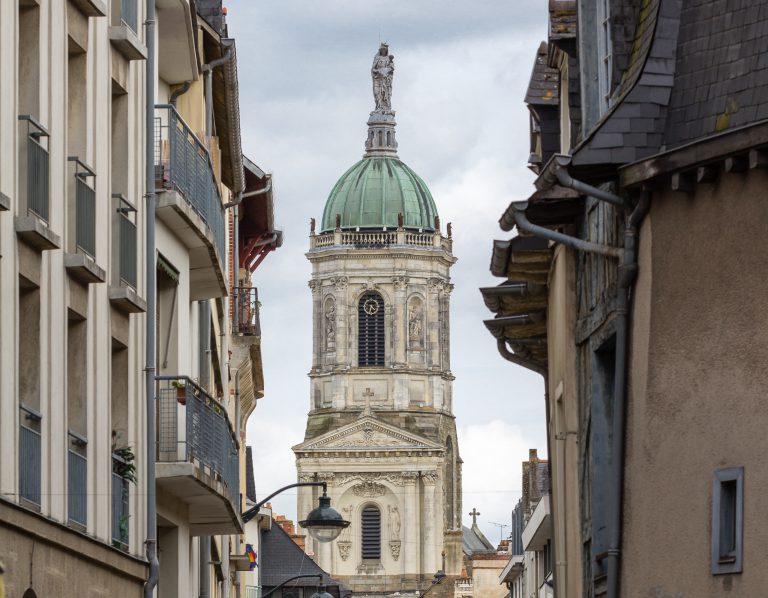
[(394, 522), (315, 286), (429, 477), (306, 477), (369, 285), (339, 282), (330, 324), (410, 477), (326, 476), (346, 513), (382, 72), (345, 548), (392, 478), (415, 324), (369, 489), (435, 284), (400, 282), (394, 547)]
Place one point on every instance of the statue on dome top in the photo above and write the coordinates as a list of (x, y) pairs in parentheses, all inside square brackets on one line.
[(382, 71)]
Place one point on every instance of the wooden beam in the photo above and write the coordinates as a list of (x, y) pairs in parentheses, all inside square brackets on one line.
[(684, 182), (758, 159), (706, 174), (736, 164)]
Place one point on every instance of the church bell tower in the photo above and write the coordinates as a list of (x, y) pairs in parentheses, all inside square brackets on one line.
[(380, 429)]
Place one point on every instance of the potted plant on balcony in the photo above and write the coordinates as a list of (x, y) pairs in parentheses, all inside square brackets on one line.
[(181, 391)]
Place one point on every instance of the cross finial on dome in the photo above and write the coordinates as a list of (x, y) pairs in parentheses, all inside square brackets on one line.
[(381, 123)]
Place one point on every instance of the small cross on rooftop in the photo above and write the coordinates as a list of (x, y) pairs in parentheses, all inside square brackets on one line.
[(475, 514)]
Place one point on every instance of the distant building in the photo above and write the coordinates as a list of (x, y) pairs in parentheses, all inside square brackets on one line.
[(632, 286)]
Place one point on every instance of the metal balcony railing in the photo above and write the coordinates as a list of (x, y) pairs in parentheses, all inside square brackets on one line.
[(77, 485), (129, 14), (85, 208), (246, 316), (120, 504), (193, 426), (182, 162), (30, 455), (127, 237), (37, 164)]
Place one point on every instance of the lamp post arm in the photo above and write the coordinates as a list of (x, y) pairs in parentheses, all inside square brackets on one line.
[(253, 511), (273, 590)]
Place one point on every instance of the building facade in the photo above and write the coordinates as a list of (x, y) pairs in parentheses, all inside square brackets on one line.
[(649, 198), (73, 284), (72, 287), (380, 430)]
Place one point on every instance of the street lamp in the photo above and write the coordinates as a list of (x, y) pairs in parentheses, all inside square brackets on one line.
[(324, 523)]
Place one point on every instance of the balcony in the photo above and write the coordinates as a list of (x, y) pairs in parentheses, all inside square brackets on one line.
[(123, 296), (189, 202), (176, 56), (120, 504), (77, 482), (197, 456), (35, 196), (80, 259), (30, 457), (538, 530), (246, 312), (124, 30)]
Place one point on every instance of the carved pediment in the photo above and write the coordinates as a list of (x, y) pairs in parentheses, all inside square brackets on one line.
[(368, 433)]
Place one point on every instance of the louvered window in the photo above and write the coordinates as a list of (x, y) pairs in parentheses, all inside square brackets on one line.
[(371, 527), (370, 330)]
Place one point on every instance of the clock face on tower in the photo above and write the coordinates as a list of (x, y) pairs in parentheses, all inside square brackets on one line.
[(371, 306)]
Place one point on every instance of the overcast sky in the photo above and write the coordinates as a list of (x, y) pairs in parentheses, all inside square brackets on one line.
[(462, 68)]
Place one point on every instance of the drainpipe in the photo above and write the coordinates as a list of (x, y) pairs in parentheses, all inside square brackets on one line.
[(208, 73), (179, 92), (241, 196), (205, 566), (151, 274), (626, 279)]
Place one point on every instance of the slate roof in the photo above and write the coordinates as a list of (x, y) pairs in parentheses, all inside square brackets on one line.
[(697, 68), (281, 559), (474, 541), (542, 89), (721, 73)]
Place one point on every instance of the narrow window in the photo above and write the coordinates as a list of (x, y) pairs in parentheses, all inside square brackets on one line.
[(727, 520), (604, 53), (371, 530), (370, 330)]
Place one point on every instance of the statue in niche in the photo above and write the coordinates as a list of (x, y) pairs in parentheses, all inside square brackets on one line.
[(382, 71), (415, 325), (330, 326), (394, 523)]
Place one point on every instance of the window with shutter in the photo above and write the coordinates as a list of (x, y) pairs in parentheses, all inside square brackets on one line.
[(370, 330), (371, 530)]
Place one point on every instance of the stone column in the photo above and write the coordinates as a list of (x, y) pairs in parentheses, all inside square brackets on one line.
[(411, 525), (400, 327), (317, 317), (431, 524), (342, 319), (306, 502), (432, 318), (446, 323), (324, 550)]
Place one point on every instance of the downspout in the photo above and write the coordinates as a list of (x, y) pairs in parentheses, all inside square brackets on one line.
[(179, 92), (205, 566), (208, 73), (151, 274), (626, 279)]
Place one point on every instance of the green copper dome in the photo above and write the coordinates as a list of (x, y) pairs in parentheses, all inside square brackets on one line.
[(374, 191)]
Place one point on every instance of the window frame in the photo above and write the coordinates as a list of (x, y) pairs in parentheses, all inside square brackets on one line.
[(604, 54), (722, 480)]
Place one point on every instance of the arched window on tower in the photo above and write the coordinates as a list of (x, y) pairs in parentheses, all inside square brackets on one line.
[(371, 533), (370, 330)]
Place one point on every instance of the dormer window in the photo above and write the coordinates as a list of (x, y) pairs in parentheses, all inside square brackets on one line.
[(604, 54)]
